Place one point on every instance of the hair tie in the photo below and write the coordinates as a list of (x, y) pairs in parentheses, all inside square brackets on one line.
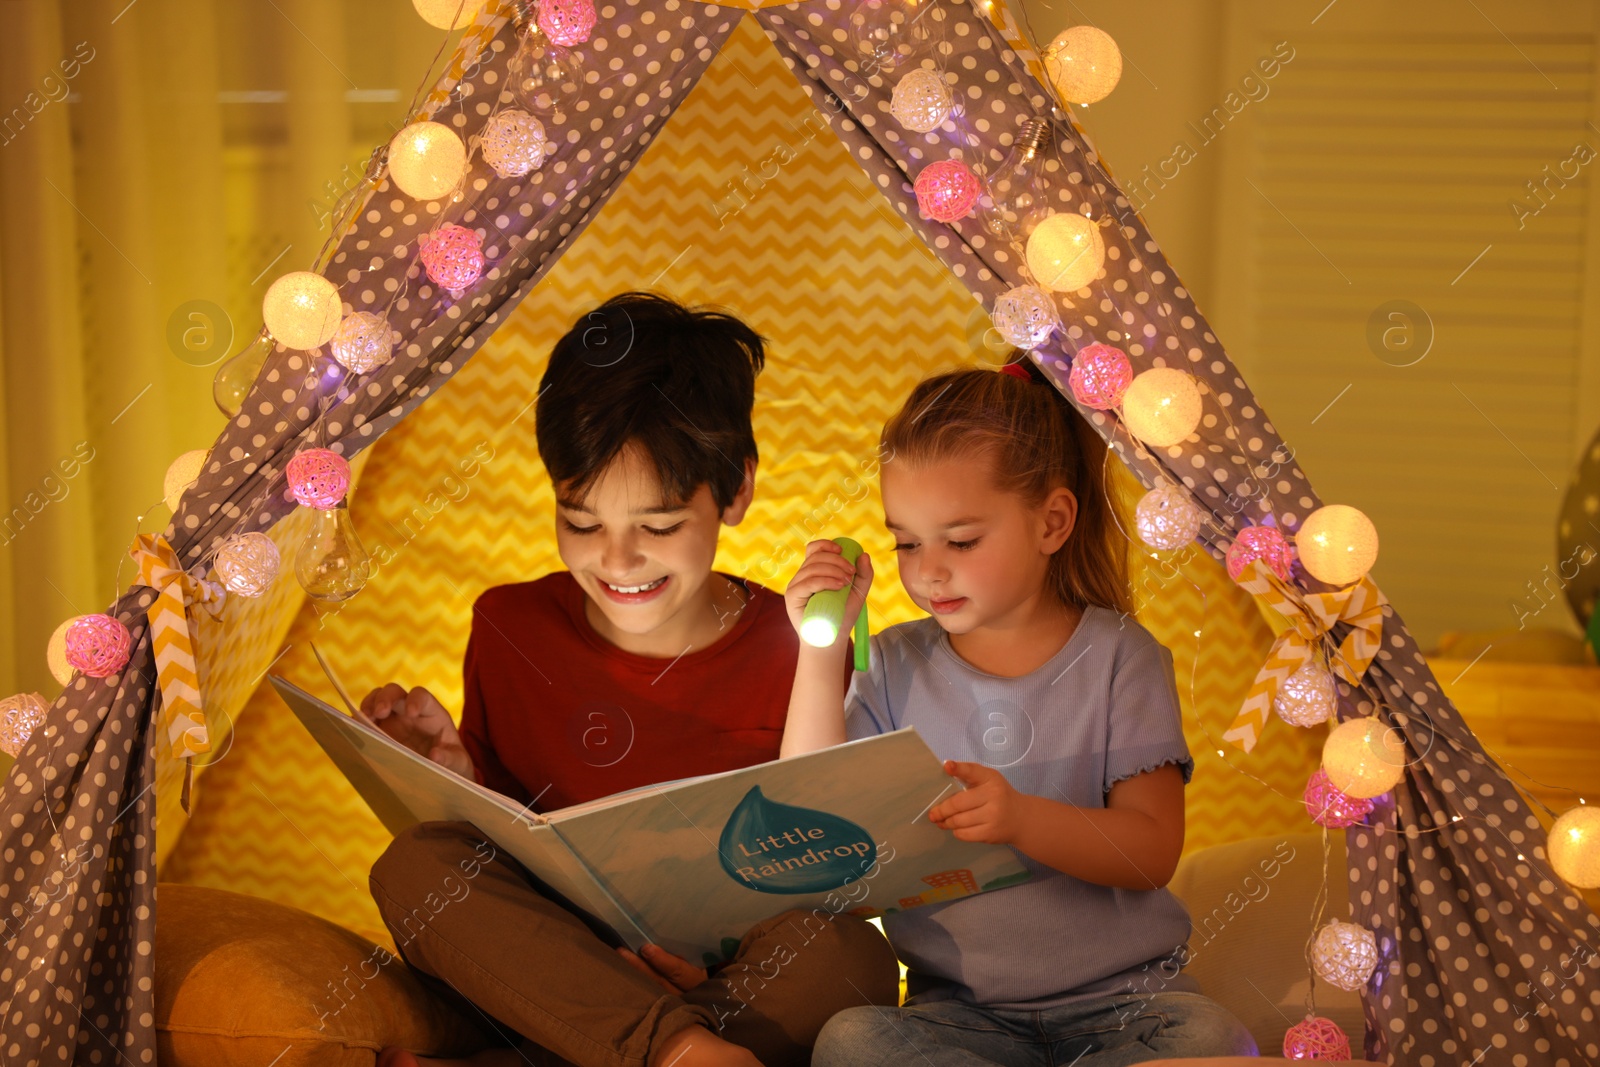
[(1017, 370)]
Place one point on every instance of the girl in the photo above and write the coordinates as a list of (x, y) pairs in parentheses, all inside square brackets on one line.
[(1060, 715)]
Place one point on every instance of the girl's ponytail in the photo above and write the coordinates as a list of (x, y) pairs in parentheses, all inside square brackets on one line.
[(1037, 441)]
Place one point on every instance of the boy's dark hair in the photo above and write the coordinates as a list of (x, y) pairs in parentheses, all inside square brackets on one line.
[(642, 369)]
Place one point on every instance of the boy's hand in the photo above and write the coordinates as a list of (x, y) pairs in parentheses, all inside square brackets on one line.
[(988, 810), (417, 720), (825, 568), (674, 973)]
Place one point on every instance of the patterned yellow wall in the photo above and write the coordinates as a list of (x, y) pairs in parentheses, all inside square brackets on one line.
[(747, 202)]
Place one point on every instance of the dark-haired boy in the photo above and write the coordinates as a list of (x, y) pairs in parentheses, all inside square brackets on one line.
[(637, 664)]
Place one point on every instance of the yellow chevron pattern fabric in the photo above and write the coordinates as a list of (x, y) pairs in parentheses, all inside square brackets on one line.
[(747, 202), (183, 724)]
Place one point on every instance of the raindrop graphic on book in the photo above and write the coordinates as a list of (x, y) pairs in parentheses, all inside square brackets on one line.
[(779, 848)]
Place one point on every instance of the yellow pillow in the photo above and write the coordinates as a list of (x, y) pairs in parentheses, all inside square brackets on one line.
[(244, 981)]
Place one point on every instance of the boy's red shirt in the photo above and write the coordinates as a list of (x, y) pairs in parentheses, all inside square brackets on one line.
[(556, 715)]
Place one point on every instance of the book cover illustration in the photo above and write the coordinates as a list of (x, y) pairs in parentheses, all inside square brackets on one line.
[(843, 830)]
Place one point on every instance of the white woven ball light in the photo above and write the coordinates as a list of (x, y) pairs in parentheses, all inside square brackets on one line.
[(1344, 955), (1025, 316), (1167, 518), (1307, 697), (364, 342), (513, 143), (19, 717), (247, 563), (921, 100)]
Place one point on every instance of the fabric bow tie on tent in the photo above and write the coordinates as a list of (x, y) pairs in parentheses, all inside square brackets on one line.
[(1310, 617), (183, 723)]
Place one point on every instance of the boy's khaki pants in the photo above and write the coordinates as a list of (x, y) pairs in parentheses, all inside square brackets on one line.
[(474, 924)]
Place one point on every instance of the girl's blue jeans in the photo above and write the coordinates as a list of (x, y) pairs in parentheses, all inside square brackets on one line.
[(1098, 1032)]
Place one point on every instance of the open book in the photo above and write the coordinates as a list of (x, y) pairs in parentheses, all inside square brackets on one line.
[(692, 865)]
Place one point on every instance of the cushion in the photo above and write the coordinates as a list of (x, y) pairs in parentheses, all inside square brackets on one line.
[(1251, 904), (1238, 1061), (243, 981)]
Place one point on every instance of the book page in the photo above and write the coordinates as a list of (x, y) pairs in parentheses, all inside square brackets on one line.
[(403, 789), (841, 830)]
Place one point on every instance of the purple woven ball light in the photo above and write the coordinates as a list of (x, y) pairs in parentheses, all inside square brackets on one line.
[(566, 22), (1315, 1038), (318, 478), (946, 190), (98, 645), (453, 256), (1100, 375), (1328, 807), (1259, 542)]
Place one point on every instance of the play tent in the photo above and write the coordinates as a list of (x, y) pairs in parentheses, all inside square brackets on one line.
[(80, 808)]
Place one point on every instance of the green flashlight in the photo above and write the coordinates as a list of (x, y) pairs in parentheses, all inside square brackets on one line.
[(824, 614)]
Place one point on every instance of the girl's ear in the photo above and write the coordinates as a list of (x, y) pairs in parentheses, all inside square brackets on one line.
[(733, 514), (1058, 515)]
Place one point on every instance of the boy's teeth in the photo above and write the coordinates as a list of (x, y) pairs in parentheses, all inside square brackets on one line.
[(637, 588)]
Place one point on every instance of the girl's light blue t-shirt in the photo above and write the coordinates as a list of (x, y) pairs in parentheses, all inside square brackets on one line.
[(1103, 708)]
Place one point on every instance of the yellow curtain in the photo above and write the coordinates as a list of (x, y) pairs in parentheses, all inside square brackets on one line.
[(161, 162)]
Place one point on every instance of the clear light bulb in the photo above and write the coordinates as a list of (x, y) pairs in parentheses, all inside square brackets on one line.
[(543, 75), (235, 377), (889, 32), (1017, 197), (332, 564)]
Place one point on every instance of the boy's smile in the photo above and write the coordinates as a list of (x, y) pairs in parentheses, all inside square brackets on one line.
[(645, 562)]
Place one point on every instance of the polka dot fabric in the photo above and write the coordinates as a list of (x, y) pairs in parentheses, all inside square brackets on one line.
[(78, 877), (1483, 953), (1485, 956), (76, 974)]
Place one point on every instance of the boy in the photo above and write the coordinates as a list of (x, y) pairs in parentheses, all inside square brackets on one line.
[(637, 664)]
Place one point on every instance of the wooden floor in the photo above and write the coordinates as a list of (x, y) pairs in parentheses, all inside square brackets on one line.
[(1540, 722)]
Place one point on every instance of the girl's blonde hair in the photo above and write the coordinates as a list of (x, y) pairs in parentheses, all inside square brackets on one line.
[(1035, 442)]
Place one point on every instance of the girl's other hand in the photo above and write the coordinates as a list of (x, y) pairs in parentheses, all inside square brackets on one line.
[(417, 720), (825, 568), (988, 810)]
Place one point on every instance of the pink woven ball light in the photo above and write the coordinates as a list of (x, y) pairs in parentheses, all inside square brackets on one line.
[(19, 717), (566, 22), (1315, 1038), (1259, 542), (318, 478), (1100, 375), (453, 256), (946, 190), (1331, 808), (97, 645)]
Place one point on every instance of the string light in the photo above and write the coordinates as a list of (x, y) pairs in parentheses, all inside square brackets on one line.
[(1337, 544), (302, 310), (426, 161), (1162, 406), (1084, 64), (1065, 252)]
